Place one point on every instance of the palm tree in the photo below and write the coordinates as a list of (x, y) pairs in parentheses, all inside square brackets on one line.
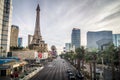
[(110, 55), (91, 59), (101, 59), (83, 54), (118, 58), (79, 56), (71, 55), (75, 58), (94, 64), (88, 58)]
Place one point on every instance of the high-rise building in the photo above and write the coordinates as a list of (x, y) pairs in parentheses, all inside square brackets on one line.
[(75, 37), (116, 40), (98, 40), (20, 40), (5, 25), (68, 47), (37, 42), (14, 36), (30, 38)]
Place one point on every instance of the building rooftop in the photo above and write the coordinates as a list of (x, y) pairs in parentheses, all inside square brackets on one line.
[(76, 29), (15, 26), (3, 61), (99, 31), (7, 60)]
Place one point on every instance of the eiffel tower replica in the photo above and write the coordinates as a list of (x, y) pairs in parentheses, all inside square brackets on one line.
[(37, 43)]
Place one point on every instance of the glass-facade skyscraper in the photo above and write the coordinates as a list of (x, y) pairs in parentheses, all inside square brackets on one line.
[(75, 38), (5, 24), (20, 40), (116, 40), (99, 39), (68, 47)]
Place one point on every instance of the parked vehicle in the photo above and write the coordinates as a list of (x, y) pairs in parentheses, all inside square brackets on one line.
[(71, 76), (79, 76), (99, 74), (69, 70)]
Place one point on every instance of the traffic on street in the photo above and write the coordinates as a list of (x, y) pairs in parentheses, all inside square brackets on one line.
[(58, 69)]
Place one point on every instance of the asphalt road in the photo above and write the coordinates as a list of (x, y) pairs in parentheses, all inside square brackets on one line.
[(55, 70)]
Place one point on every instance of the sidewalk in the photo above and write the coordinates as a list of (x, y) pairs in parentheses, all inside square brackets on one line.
[(24, 76), (32, 73)]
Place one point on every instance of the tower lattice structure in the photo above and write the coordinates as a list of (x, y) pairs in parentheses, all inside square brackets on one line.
[(37, 43)]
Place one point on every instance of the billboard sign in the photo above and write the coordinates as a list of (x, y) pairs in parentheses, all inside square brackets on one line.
[(40, 55)]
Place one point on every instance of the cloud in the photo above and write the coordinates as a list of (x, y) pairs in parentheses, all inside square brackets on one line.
[(58, 17), (111, 16)]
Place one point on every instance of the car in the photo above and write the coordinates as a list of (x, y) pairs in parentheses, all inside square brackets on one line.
[(71, 76), (99, 73), (68, 70), (79, 76)]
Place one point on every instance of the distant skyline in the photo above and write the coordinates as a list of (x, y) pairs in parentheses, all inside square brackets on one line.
[(59, 17)]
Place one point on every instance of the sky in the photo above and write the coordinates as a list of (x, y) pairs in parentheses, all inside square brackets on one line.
[(59, 17)]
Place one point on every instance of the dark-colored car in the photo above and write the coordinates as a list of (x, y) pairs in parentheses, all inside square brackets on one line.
[(79, 76), (69, 70), (71, 76)]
